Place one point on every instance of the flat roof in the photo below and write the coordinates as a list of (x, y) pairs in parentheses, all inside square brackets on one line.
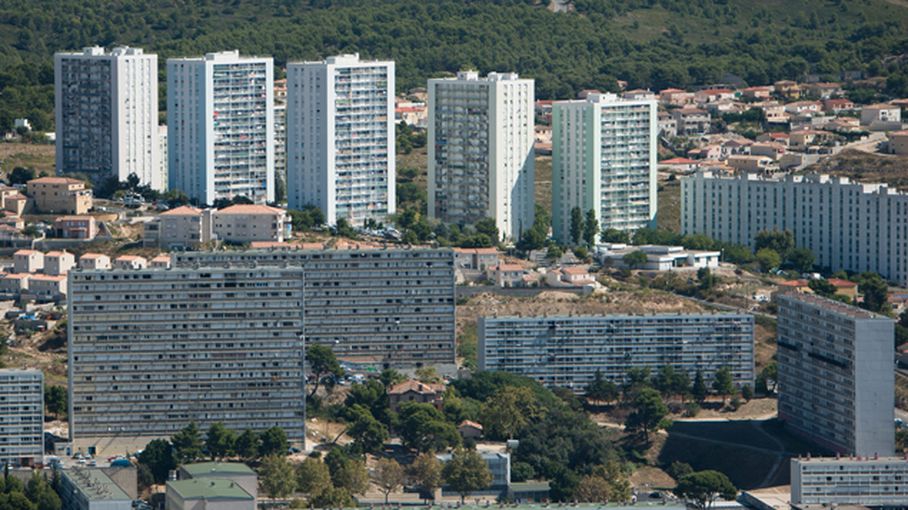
[(216, 468), (209, 488), (833, 306), (96, 485)]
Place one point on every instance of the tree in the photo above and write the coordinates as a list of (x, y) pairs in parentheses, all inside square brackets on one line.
[(699, 389), (488, 228), (312, 477), (55, 400), (747, 392), (389, 377), (277, 476), (635, 259), (508, 411), (593, 489), (39, 492), (158, 456), (671, 382), (187, 444), (425, 473), (15, 500), (247, 445), (822, 287), (347, 473), (389, 476), (781, 242), (707, 279), (576, 225), (220, 441), (274, 442), (801, 259), (21, 175), (332, 497), (427, 375), (648, 412), (875, 292), (702, 488), (590, 228), (723, 384), (322, 363), (368, 433), (599, 389), (613, 235), (678, 469), (466, 472), (768, 259), (423, 428)]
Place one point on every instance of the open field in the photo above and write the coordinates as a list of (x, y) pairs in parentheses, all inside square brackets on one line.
[(668, 201), (37, 156), (858, 165)]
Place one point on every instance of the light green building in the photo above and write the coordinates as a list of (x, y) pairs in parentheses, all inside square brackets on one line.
[(604, 159), (207, 494)]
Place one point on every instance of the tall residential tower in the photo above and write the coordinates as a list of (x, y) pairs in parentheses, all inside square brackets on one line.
[(340, 138), (220, 126), (481, 150), (106, 105), (604, 159)]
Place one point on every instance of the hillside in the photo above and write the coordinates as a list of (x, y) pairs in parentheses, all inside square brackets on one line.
[(866, 167), (649, 43)]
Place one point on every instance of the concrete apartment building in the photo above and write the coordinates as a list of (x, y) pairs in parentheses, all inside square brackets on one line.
[(220, 127), (106, 112), (850, 481), (340, 138), (21, 417), (59, 195), (152, 350), (280, 130), (243, 223), (388, 308), (604, 159), (481, 161), (836, 374), (848, 226), (179, 228), (561, 351), (236, 472), (207, 494), (91, 489)]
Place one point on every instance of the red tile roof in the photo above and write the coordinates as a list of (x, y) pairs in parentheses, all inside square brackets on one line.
[(250, 209), (416, 386), (184, 210)]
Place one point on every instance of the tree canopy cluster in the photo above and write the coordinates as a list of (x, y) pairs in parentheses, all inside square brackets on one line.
[(649, 43)]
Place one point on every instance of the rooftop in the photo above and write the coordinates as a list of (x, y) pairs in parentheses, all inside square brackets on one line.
[(96, 485), (92, 256), (184, 210), (833, 306), (417, 386), (27, 252), (251, 209), (209, 489), (217, 468), (55, 180)]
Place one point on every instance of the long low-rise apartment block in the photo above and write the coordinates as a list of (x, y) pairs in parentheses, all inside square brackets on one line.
[(847, 225), (852, 481), (567, 351), (389, 308), (152, 350)]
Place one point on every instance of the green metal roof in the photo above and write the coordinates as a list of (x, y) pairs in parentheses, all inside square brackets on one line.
[(217, 469), (208, 488), (95, 485)]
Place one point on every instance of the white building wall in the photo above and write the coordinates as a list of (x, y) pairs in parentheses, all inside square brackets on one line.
[(864, 482), (106, 109), (341, 138), (21, 417), (481, 161), (221, 126)]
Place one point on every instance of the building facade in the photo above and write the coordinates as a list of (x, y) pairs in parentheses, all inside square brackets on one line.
[(220, 127), (21, 417), (340, 138), (106, 112), (152, 350), (568, 351), (604, 159), (836, 374), (60, 195), (383, 307), (847, 225), (91, 489), (481, 161), (849, 481), (244, 223)]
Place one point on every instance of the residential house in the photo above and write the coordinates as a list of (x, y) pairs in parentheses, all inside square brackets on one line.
[(76, 227), (632, 95), (60, 195), (28, 261), (416, 391), (775, 113), (844, 125), (772, 150), (705, 96), (881, 117), (47, 287), (802, 107), (475, 259), (787, 89), (184, 227), (12, 201), (804, 138), (837, 105), (161, 261), (691, 121), (130, 262), (823, 90), (757, 93), (898, 143), (668, 126), (845, 288), (676, 97), (679, 165), (507, 275), (470, 429), (577, 275), (14, 284), (94, 261), (244, 223), (58, 263), (750, 163)]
